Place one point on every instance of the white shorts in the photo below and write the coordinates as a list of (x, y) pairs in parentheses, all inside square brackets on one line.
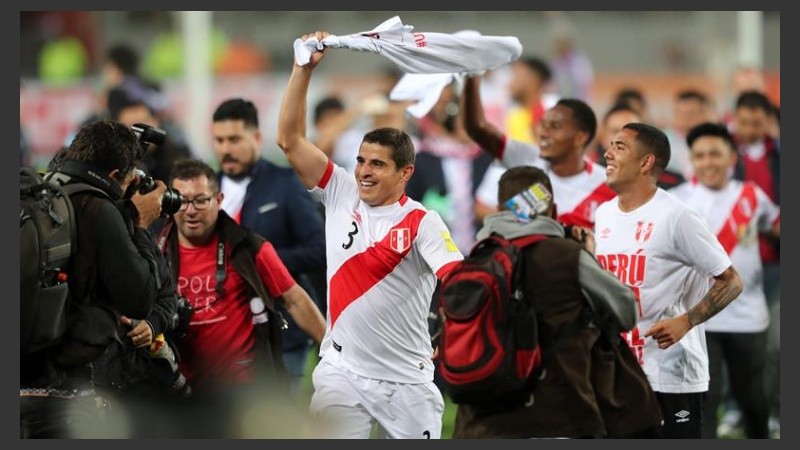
[(345, 405)]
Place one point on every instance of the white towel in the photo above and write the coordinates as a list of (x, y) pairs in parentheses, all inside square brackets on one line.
[(421, 52)]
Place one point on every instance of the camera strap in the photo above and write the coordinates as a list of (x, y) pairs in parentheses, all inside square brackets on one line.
[(221, 273)]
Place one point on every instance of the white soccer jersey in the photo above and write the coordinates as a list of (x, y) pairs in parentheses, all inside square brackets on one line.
[(383, 264), (736, 215), (666, 253), (576, 197)]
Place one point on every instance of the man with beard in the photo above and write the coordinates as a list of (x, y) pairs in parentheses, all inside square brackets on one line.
[(269, 200)]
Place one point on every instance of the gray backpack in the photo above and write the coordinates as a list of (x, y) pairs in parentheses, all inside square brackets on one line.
[(47, 241)]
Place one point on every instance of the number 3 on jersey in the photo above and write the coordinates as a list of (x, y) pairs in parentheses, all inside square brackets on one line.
[(350, 235)]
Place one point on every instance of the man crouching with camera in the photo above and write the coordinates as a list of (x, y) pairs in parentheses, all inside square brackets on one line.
[(113, 273)]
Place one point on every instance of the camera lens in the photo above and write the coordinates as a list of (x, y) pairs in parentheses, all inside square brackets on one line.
[(171, 201)]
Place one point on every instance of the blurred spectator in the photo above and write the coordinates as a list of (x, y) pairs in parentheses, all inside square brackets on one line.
[(448, 169), (744, 78), (759, 161), (121, 69), (691, 107), (635, 98), (572, 69), (736, 337), (127, 109), (527, 88), (614, 119), (530, 76), (331, 119)]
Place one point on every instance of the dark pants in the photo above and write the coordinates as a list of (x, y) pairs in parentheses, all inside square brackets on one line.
[(743, 355), (683, 415)]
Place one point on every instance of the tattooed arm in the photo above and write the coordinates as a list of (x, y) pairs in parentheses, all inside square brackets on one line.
[(727, 286)]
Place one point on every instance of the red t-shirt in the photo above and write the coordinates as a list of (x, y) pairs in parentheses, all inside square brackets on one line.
[(218, 348)]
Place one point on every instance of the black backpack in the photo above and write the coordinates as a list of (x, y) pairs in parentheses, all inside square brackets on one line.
[(47, 241), (490, 355)]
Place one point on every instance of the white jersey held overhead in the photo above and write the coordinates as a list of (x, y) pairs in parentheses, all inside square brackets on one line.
[(421, 52)]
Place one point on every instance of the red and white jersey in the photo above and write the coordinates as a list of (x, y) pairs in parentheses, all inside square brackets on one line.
[(383, 264), (667, 254), (576, 197), (736, 213)]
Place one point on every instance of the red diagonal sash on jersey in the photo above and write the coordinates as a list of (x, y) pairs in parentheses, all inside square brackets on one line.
[(741, 214), (364, 270), (582, 214)]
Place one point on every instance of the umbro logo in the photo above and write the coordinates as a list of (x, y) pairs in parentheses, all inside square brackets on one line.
[(683, 416), (605, 232)]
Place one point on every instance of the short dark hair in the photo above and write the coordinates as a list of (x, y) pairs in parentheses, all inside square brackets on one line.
[(516, 179), (619, 107), (325, 105), (753, 100), (692, 94), (629, 93), (119, 98), (583, 115), (539, 66), (397, 140), (710, 129), (124, 57), (237, 109), (653, 141), (187, 169), (106, 145)]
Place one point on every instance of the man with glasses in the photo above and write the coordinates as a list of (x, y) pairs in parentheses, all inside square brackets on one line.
[(232, 277)]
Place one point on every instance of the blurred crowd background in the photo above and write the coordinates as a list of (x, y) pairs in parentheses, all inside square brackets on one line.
[(197, 59)]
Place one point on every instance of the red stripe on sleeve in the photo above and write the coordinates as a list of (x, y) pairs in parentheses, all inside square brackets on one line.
[(445, 269), (326, 176), (502, 148), (363, 271), (583, 213)]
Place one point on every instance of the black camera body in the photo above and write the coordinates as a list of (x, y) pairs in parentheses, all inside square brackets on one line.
[(171, 201)]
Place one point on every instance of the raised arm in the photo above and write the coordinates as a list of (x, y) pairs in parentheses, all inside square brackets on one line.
[(306, 158), (727, 286), (486, 135)]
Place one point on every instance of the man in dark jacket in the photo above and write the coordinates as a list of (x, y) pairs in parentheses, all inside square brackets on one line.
[(112, 274), (592, 386), (270, 200)]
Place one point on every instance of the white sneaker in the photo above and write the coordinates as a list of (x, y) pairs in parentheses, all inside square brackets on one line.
[(774, 427), (730, 425)]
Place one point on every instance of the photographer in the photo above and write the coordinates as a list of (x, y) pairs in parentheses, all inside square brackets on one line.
[(113, 273), (140, 367)]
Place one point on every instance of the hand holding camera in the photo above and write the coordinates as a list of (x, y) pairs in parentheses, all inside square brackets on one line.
[(149, 204), (169, 198)]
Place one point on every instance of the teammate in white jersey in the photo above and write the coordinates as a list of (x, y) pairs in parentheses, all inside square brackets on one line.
[(562, 135), (736, 337), (667, 254), (385, 252)]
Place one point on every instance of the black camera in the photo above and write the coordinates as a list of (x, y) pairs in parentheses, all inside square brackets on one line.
[(149, 134), (171, 202)]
